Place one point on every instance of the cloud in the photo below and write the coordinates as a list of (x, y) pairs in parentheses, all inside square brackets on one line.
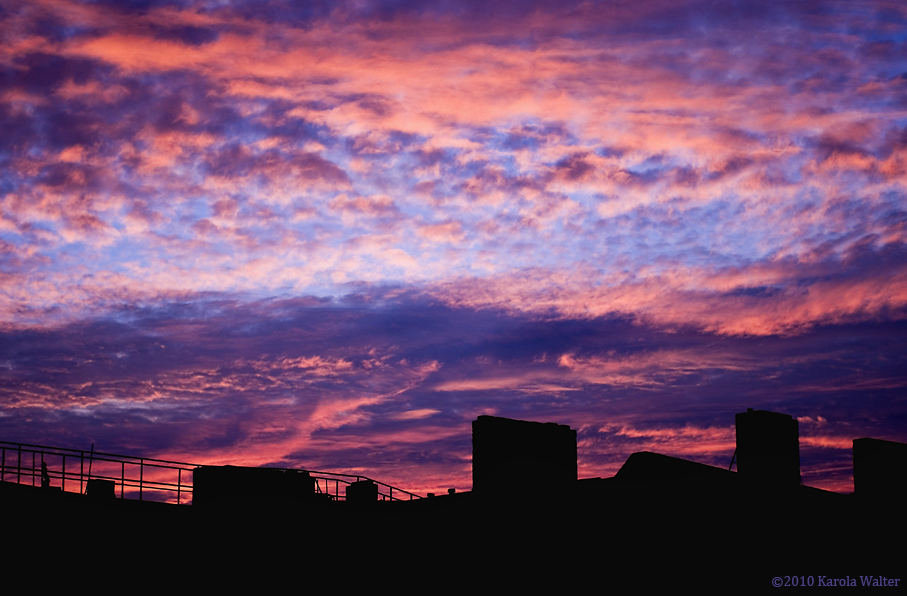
[(582, 142), (329, 384), (687, 440), (636, 169), (416, 414)]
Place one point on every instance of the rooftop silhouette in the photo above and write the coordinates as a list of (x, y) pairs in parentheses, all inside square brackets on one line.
[(527, 505)]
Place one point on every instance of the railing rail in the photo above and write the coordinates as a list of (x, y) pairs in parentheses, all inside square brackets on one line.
[(385, 491), (166, 480), (138, 476)]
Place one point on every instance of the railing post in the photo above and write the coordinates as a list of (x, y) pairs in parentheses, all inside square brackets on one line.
[(141, 476), (3, 465), (122, 477), (179, 482), (81, 472), (63, 482)]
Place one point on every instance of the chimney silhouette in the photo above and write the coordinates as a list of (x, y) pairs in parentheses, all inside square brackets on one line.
[(768, 448)]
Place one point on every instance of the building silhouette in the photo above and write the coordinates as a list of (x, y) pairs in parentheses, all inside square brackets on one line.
[(660, 522), (768, 448), (508, 454), (879, 468)]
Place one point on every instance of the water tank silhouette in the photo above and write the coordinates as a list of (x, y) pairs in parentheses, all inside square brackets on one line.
[(768, 448), (516, 456), (362, 491)]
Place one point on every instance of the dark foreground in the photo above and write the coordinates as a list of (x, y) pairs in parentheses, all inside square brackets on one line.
[(604, 536)]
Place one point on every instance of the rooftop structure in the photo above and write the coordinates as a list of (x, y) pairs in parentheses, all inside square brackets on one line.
[(509, 456), (768, 448), (879, 468), (687, 521)]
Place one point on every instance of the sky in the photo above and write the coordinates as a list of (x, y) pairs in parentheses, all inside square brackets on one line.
[(329, 235)]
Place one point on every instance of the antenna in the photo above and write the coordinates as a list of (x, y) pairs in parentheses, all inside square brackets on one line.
[(90, 459)]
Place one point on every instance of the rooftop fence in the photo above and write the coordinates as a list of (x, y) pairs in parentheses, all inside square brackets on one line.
[(139, 478)]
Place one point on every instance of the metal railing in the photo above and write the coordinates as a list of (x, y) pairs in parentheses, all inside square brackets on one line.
[(141, 478), (385, 491)]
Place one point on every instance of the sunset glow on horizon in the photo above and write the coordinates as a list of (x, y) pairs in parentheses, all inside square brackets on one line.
[(330, 237)]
